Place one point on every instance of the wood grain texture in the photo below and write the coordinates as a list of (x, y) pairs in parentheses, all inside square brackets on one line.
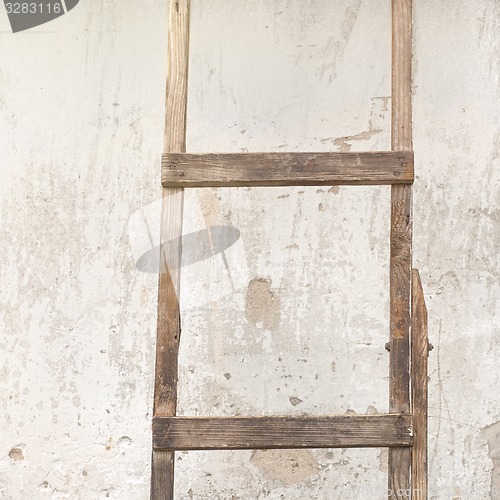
[(177, 77), (168, 323), (286, 169), (419, 384), (402, 52), (161, 472), (224, 433), (401, 234), (168, 319)]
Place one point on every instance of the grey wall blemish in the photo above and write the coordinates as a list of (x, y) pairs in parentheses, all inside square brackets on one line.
[(124, 443), (491, 434), (383, 459), (294, 400)]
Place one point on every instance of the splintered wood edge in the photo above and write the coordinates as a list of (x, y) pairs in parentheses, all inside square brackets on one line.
[(419, 377)]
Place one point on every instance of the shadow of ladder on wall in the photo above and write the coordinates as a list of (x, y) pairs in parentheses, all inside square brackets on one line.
[(404, 429)]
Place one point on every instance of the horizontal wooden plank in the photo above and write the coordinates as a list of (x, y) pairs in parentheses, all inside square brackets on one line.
[(286, 169), (239, 433)]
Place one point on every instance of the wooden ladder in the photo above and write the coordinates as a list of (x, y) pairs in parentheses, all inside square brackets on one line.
[(404, 429)]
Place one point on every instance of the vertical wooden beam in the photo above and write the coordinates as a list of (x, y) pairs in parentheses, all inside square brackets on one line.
[(419, 387), (168, 326), (401, 231)]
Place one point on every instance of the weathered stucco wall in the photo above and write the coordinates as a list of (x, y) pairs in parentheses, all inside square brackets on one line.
[(292, 316)]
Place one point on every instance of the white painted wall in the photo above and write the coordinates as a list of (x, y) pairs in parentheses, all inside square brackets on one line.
[(295, 319)]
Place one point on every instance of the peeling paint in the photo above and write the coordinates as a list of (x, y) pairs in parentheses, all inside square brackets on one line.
[(16, 454), (288, 466), (262, 304)]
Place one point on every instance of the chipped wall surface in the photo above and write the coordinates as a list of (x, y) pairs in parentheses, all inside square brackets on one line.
[(284, 292)]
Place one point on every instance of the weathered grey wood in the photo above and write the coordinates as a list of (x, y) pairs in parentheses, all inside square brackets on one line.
[(401, 229), (168, 323), (419, 385), (286, 169), (224, 433), (401, 99), (161, 472)]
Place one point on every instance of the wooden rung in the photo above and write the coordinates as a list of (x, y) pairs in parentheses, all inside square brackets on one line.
[(286, 169), (240, 433)]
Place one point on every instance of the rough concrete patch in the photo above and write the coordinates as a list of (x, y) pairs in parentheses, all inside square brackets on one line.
[(491, 434), (289, 466), (344, 143), (262, 306), (383, 458)]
